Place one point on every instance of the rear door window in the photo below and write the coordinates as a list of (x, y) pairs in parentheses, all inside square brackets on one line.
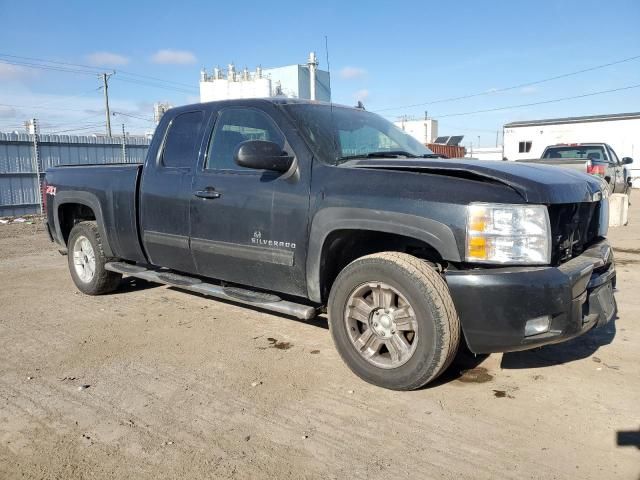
[(182, 142)]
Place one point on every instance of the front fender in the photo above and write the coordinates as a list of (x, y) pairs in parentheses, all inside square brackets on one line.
[(436, 234)]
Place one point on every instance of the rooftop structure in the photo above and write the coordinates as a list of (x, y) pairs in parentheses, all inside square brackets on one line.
[(304, 81)]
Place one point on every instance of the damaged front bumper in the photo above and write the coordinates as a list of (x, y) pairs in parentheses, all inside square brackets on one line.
[(494, 305)]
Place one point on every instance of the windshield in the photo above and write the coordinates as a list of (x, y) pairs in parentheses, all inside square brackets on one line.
[(339, 134), (590, 153)]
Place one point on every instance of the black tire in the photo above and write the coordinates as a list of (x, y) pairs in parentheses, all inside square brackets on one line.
[(103, 281), (435, 314)]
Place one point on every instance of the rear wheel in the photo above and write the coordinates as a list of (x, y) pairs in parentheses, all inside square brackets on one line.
[(393, 321), (87, 260)]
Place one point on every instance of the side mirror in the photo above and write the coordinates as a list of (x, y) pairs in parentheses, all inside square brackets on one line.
[(627, 160), (262, 155)]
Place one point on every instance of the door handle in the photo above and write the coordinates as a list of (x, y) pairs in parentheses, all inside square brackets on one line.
[(209, 193)]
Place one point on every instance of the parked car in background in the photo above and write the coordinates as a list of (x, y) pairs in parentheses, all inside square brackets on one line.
[(593, 158)]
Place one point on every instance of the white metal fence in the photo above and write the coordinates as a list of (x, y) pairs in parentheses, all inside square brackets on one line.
[(23, 156)]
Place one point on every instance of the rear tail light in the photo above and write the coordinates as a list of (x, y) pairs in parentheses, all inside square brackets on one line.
[(595, 169)]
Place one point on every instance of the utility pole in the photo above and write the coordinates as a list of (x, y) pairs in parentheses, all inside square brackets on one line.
[(105, 79), (497, 134)]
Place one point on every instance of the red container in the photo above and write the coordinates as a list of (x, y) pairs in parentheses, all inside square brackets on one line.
[(449, 151)]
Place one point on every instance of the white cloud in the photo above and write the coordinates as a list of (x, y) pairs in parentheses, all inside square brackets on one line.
[(352, 73), (7, 112), (529, 90), (14, 72), (85, 112), (109, 59), (361, 95), (173, 57)]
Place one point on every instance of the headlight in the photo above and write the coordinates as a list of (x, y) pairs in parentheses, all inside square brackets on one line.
[(508, 234)]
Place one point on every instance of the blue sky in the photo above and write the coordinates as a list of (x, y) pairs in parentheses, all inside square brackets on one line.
[(388, 54)]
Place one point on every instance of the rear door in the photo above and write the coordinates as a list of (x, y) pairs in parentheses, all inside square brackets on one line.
[(166, 193), (250, 226)]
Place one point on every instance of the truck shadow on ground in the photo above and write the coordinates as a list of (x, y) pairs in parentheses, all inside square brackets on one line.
[(319, 321), (579, 348), (132, 284)]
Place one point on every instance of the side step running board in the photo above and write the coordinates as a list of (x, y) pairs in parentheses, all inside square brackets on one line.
[(258, 299)]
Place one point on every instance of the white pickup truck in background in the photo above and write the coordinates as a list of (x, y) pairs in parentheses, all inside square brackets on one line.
[(593, 158)]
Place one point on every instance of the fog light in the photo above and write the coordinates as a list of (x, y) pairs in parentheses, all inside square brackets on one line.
[(537, 325)]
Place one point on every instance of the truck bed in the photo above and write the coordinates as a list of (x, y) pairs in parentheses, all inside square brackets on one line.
[(579, 164), (111, 191)]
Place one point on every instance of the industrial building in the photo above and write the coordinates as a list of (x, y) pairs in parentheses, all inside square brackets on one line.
[(528, 139), (304, 81), (425, 130)]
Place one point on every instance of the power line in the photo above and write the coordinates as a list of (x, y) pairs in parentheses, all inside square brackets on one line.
[(150, 84), (191, 87), (591, 94), (470, 129), (74, 122), (63, 66), (150, 119), (47, 67), (87, 72), (513, 87), (86, 110), (74, 125), (77, 129), (69, 97), (96, 69)]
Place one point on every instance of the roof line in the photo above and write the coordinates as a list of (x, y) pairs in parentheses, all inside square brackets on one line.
[(586, 118)]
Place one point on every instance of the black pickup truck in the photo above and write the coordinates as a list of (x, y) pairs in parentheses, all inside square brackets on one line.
[(293, 206)]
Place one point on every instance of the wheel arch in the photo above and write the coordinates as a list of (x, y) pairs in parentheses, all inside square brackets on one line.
[(365, 224), (78, 204)]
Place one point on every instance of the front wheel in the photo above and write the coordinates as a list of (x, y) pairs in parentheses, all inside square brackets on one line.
[(393, 321), (87, 261)]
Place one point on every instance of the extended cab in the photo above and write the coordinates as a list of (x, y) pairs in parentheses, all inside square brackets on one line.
[(294, 206)]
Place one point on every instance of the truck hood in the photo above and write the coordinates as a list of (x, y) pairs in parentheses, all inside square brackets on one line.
[(541, 184)]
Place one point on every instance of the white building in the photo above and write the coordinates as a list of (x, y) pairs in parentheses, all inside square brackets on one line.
[(425, 131), (294, 81), (529, 138)]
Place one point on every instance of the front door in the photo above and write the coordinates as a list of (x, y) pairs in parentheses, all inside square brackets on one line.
[(166, 193), (249, 226)]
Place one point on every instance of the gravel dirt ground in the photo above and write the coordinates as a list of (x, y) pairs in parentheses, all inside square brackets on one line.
[(152, 382)]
